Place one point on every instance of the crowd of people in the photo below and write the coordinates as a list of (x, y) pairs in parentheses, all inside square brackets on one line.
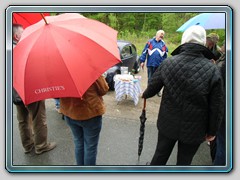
[(192, 108)]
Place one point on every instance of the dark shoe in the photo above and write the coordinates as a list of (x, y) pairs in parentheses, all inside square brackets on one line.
[(50, 146)]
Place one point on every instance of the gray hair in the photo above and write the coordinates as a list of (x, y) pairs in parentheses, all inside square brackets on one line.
[(160, 31), (15, 28)]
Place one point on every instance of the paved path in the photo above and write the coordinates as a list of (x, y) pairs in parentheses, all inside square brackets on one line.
[(118, 143)]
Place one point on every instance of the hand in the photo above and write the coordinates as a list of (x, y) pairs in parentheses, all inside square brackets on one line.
[(213, 61), (209, 138), (142, 65)]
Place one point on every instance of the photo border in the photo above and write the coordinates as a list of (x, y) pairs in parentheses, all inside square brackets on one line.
[(134, 9)]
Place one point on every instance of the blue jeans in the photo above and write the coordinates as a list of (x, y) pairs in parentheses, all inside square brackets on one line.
[(220, 157), (57, 103), (150, 72), (86, 137)]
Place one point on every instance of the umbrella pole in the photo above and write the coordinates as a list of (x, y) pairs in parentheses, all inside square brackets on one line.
[(44, 18)]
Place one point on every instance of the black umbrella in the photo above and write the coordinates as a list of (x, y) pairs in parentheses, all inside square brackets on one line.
[(142, 129)]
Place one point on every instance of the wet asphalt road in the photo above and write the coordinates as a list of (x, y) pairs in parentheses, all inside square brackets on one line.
[(118, 143)]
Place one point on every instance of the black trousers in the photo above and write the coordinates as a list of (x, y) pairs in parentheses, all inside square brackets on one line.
[(164, 149)]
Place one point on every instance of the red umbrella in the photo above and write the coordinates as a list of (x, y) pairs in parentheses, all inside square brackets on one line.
[(27, 19), (63, 57)]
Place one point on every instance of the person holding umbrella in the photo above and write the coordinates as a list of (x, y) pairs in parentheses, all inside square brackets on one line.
[(35, 112), (190, 110), (84, 117), (54, 42)]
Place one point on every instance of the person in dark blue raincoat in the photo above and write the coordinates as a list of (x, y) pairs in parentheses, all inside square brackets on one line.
[(155, 51)]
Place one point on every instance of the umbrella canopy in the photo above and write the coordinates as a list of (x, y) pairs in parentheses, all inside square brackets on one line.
[(63, 57), (206, 20), (142, 129), (27, 19)]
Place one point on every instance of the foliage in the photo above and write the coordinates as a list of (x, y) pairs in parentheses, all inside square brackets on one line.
[(139, 27)]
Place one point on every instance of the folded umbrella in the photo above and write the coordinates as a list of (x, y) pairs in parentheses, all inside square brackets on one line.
[(61, 56), (142, 130)]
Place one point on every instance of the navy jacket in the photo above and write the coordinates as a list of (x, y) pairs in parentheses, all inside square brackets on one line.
[(155, 52)]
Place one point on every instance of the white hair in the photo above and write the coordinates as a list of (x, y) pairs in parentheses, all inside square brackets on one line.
[(159, 32)]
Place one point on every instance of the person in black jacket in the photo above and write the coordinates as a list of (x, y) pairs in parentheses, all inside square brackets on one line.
[(190, 110), (220, 154)]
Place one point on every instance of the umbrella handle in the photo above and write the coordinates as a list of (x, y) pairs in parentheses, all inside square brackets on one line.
[(144, 104)]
